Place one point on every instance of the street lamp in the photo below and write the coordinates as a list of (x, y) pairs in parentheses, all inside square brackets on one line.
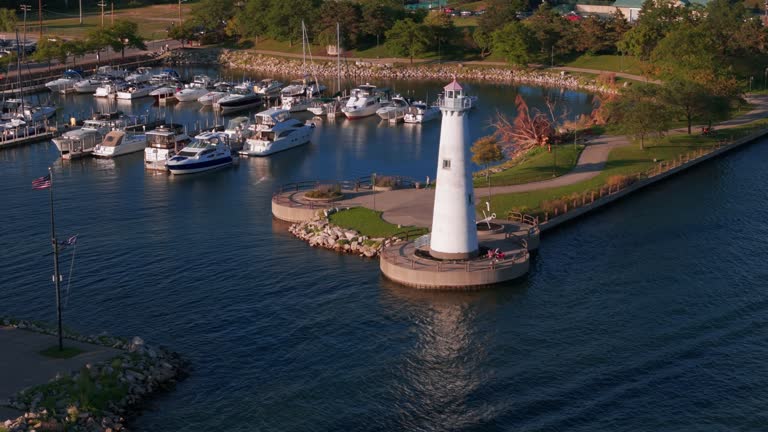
[(750, 83)]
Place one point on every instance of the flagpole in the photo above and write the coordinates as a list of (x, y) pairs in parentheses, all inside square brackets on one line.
[(55, 264)]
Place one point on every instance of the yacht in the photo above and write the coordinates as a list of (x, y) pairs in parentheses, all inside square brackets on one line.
[(395, 111), (141, 75), (194, 90), (207, 151), (276, 131), (242, 97), (364, 101), (162, 144), (164, 94), (111, 72), (120, 142), (220, 89), (268, 87), (66, 82), (420, 112), (136, 91)]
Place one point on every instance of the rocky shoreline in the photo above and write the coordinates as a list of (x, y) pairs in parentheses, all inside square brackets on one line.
[(323, 234), (359, 71), (129, 379)]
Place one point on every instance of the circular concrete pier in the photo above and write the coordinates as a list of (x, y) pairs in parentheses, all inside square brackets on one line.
[(410, 263)]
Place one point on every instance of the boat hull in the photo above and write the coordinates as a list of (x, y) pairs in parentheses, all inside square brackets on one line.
[(184, 167), (127, 147), (296, 139)]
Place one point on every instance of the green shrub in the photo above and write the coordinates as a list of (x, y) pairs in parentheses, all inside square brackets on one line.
[(327, 191)]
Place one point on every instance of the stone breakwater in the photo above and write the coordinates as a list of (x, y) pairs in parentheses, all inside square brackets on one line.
[(359, 71), (321, 233), (99, 397)]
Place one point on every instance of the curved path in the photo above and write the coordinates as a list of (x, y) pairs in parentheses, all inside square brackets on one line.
[(414, 206)]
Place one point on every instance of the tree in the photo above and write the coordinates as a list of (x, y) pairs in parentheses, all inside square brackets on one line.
[(183, 32), (686, 50), (515, 42), (485, 151), (75, 48), (251, 20), (125, 34), (525, 132), (694, 101), (284, 18), (213, 15), (349, 17), (8, 20), (499, 13), (723, 20), (378, 16), (407, 38), (441, 29), (97, 39), (484, 41), (552, 31), (640, 115), (659, 17), (48, 49), (592, 36)]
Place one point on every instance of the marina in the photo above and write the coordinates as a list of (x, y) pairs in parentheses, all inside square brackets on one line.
[(321, 322)]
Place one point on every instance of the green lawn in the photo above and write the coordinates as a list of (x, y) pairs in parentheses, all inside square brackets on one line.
[(622, 161), (367, 222), (537, 164), (65, 353), (612, 63)]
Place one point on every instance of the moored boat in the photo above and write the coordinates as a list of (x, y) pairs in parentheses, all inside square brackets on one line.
[(136, 91), (66, 82), (242, 97), (420, 112), (209, 150), (275, 131), (163, 143), (120, 142), (364, 101), (395, 111), (194, 90)]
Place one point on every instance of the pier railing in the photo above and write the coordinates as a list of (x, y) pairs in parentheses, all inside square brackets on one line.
[(403, 256), (623, 184)]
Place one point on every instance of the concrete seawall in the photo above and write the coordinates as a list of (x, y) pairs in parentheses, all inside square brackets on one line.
[(611, 198)]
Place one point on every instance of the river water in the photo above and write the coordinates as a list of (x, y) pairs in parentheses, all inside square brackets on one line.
[(648, 315)]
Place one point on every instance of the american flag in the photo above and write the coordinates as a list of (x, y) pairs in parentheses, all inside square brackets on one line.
[(69, 242), (42, 182)]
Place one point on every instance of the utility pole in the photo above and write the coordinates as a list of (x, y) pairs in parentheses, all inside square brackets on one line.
[(180, 21), (25, 8), (56, 275), (81, 11), (40, 18), (102, 4), (112, 15)]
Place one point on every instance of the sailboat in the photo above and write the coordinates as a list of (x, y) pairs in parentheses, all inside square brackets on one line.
[(298, 95)]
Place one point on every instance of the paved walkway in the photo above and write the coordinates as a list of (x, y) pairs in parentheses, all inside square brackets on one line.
[(414, 206), (22, 365)]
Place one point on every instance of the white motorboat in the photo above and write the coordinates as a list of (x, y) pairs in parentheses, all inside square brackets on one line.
[(108, 71), (420, 112), (209, 150), (141, 75), (238, 130), (364, 101), (80, 142), (37, 113), (242, 97), (297, 96), (194, 90), (163, 143), (110, 89), (120, 142), (18, 128), (90, 85), (212, 97), (268, 87), (166, 76), (395, 111), (164, 94), (136, 91), (276, 131), (327, 107), (66, 82)]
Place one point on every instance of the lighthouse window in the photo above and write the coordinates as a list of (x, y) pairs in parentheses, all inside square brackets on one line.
[(446, 164), (470, 199)]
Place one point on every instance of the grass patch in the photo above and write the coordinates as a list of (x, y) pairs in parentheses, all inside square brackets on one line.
[(623, 161), (538, 164), (90, 393), (613, 63), (65, 353), (153, 21), (367, 222)]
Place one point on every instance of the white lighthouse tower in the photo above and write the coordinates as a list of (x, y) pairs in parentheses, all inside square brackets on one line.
[(454, 230)]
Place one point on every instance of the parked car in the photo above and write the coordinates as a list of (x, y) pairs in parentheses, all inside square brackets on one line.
[(466, 13)]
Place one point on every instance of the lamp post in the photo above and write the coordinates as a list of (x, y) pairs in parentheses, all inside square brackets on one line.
[(102, 4), (765, 78), (750, 83)]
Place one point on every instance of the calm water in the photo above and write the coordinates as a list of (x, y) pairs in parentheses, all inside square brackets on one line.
[(650, 315)]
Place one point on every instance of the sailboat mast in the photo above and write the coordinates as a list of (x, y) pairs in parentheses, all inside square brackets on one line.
[(338, 60), (303, 46), (18, 72)]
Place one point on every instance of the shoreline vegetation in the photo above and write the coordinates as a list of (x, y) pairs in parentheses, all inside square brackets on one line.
[(103, 396)]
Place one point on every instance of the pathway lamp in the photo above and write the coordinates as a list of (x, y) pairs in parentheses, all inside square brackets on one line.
[(750, 83)]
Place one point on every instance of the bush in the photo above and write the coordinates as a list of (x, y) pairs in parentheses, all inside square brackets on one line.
[(325, 191), (550, 206)]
